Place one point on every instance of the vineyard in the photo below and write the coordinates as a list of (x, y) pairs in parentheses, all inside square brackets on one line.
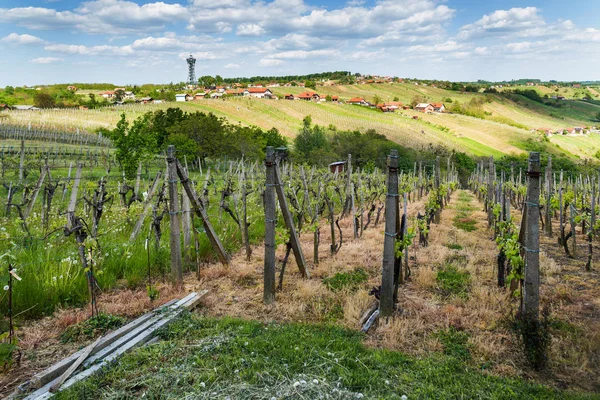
[(406, 257)]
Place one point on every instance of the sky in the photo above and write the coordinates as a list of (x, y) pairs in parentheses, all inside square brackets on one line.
[(147, 41)]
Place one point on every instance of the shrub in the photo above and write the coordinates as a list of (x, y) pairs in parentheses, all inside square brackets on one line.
[(346, 280)]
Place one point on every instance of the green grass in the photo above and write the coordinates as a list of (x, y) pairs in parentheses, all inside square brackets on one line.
[(207, 358), (455, 342), (346, 280), (92, 327), (453, 282), (462, 219), (454, 246)]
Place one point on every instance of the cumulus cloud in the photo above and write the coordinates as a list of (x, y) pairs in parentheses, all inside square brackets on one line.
[(269, 62), (45, 60), (25, 39), (503, 22), (250, 30)]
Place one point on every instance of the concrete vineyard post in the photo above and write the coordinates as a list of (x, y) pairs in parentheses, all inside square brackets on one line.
[(269, 264), (531, 286), (386, 304)]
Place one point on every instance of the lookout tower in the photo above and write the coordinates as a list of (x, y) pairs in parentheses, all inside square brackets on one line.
[(191, 61)]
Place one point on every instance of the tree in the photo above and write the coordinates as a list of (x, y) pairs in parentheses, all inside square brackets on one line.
[(9, 90), (310, 85), (44, 100), (396, 98), (134, 143), (119, 94), (598, 117), (328, 97), (376, 99)]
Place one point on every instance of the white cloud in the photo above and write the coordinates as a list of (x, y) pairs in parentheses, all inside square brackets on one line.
[(250, 30), (25, 39), (503, 22), (232, 66), (45, 60), (269, 62)]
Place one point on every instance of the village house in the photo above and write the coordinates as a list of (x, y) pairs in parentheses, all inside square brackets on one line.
[(289, 96), (183, 97), (145, 100), (393, 105), (234, 92), (258, 92), (357, 100), (4, 107), (438, 107), (577, 86), (129, 96), (337, 167), (335, 99), (424, 108), (108, 94), (72, 88), (199, 96), (308, 96), (383, 108)]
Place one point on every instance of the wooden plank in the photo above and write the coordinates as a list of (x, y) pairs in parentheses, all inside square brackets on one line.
[(74, 366), (36, 190), (57, 369), (94, 364)]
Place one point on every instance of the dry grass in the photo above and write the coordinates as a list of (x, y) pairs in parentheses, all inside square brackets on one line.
[(483, 314)]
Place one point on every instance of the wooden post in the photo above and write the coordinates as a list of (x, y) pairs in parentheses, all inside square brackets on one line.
[(245, 214), (186, 225), (347, 204), (438, 211), (201, 212), (531, 287), (36, 190), (490, 192), (22, 161), (73, 200), (549, 189), (386, 304), (269, 264), (174, 217), (147, 208), (289, 222)]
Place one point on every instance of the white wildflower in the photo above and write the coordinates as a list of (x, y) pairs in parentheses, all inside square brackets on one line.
[(404, 397), (360, 396), (316, 381), (296, 384), (202, 384), (6, 287)]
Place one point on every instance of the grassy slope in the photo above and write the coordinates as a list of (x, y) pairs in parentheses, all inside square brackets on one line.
[(228, 358), (492, 136)]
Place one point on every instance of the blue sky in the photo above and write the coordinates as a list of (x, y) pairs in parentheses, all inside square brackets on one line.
[(143, 41)]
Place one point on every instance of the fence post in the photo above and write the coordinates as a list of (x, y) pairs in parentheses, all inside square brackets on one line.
[(549, 188), (531, 287), (490, 192), (175, 236), (386, 304), (269, 266)]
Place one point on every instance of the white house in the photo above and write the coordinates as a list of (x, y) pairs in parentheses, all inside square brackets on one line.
[(129, 96), (258, 92), (182, 97), (438, 107)]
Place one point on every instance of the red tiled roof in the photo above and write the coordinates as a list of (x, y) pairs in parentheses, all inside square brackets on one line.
[(356, 100), (437, 105), (307, 95), (257, 90)]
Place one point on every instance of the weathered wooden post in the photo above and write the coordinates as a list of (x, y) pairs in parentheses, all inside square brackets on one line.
[(186, 226), (174, 219), (438, 211), (490, 192), (269, 265), (22, 161), (549, 188), (531, 287), (386, 305)]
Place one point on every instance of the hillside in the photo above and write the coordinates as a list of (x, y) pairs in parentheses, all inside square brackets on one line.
[(501, 126)]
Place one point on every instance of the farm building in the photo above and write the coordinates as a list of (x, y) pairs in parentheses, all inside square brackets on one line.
[(216, 95), (309, 96), (335, 99), (24, 108), (234, 92), (145, 100), (182, 97), (438, 107), (338, 166), (4, 107), (393, 105), (258, 92), (424, 107), (289, 97), (72, 88), (199, 96), (129, 96), (108, 94), (382, 107), (357, 100)]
